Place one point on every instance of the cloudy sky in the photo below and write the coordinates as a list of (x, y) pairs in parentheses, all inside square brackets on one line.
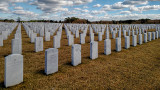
[(87, 9)]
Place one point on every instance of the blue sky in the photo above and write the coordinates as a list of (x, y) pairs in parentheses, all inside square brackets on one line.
[(87, 9)]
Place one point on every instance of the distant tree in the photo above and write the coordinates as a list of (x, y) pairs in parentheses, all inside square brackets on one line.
[(18, 19), (5, 20), (70, 19)]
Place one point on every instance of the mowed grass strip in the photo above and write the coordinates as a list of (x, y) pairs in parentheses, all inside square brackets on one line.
[(134, 68)]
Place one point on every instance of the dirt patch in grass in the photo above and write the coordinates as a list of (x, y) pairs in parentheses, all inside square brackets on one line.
[(135, 68)]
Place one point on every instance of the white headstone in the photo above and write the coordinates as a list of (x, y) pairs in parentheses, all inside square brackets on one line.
[(70, 40), (41, 32), (77, 34), (107, 46), (51, 61), (56, 42), (140, 39), (156, 34), (1, 40), (145, 37), (91, 37), (38, 44), (13, 74), (132, 32), (47, 36), (82, 39), (33, 36), (136, 32), (107, 34), (4, 34), (124, 33), (76, 54), (119, 33), (118, 44), (113, 35), (100, 36), (153, 35), (127, 42), (149, 36), (93, 50), (134, 40), (16, 46), (129, 32)]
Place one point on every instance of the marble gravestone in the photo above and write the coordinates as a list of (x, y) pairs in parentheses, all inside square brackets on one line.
[(91, 37), (51, 61), (4, 34), (136, 31), (156, 36), (118, 44), (33, 36), (134, 40), (119, 33), (127, 42), (76, 54), (41, 32), (153, 35), (132, 32), (70, 40), (140, 39), (149, 36), (99, 36), (82, 39), (93, 50), (107, 34), (77, 34), (113, 35), (124, 33), (107, 46), (56, 42), (129, 32), (16, 46), (145, 37), (13, 74), (1, 40), (38, 44), (47, 36)]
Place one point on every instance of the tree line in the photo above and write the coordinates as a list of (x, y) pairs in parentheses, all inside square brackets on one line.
[(86, 21)]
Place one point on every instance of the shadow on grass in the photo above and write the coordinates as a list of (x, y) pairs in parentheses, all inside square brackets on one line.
[(88, 57), (42, 72), (2, 85), (68, 63), (6, 55)]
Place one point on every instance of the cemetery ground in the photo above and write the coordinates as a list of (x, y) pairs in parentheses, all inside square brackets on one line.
[(134, 68)]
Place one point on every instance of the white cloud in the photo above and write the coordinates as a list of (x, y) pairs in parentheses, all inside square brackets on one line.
[(80, 2), (97, 5), (116, 6), (135, 2), (25, 13), (125, 12), (57, 5), (85, 7), (95, 12), (145, 8), (77, 9), (18, 8), (131, 16), (17, 1), (84, 11)]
